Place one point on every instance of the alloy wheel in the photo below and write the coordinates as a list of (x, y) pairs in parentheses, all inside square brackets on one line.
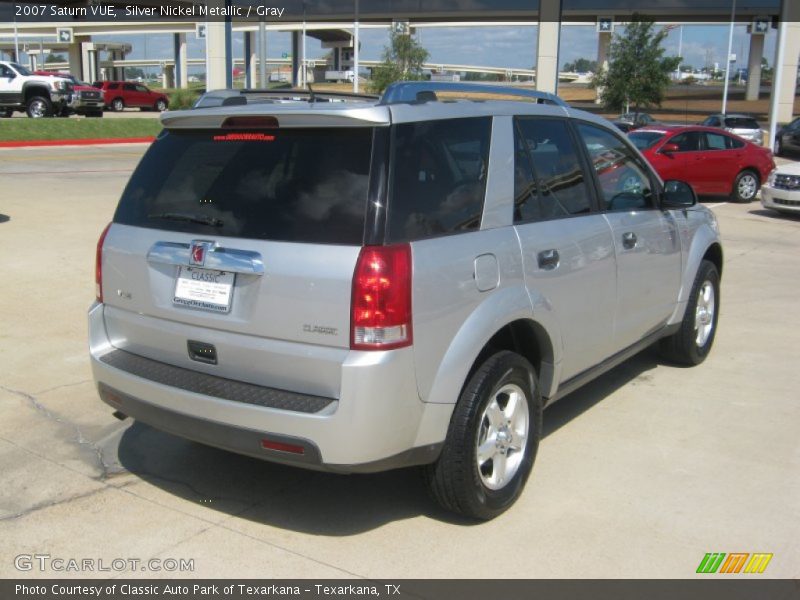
[(502, 436)]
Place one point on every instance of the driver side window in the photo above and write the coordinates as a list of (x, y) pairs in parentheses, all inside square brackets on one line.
[(5, 71), (624, 181)]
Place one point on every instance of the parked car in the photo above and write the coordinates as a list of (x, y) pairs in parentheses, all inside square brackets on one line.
[(37, 95), (366, 285), (636, 119), (121, 94), (713, 161), (781, 191), (85, 100), (744, 126), (787, 139), (624, 126)]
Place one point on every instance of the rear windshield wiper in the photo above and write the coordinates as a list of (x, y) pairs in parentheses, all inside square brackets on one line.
[(200, 219)]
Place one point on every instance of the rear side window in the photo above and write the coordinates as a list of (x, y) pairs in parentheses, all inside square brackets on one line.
[(562, 188), (294, 185), (439, 177), (113, 86), (715, 141)]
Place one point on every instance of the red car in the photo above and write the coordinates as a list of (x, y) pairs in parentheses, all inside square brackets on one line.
[(714, 162), (119, 94)]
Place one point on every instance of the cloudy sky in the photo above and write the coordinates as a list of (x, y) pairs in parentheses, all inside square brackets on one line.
[(499, 46)]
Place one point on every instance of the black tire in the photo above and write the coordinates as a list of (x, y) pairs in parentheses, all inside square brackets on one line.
[(160, 105), (746, 180), (684, 347), (38, 107), (117, 104), (454, 480)]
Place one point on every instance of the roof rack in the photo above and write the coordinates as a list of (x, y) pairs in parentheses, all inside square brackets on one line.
[(235, 97), (414, 92)]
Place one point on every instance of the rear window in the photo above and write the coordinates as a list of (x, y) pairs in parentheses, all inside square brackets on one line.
[(439, 177), (295, 185), (645, 139), (741, 123)]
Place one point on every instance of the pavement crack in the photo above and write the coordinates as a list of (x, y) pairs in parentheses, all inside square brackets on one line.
[(62, 386), (78, 437), (44, 505)]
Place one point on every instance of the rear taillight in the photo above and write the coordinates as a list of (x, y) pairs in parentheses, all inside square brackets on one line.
[(381, 303), (98, 265)]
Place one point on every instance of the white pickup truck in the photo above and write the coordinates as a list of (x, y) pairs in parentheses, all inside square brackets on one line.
[(37, 95)]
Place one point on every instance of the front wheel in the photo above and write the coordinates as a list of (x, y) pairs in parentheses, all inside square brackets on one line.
[(745, 187), (38, 107), (691, 344), (492, 440)]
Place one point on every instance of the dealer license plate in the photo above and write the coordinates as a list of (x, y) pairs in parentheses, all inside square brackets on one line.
[(205, 289)]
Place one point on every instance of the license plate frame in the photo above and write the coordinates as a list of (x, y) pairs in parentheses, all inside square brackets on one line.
[(211, 290)]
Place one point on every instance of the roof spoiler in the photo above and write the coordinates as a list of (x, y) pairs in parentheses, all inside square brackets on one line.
[(417, 92), (238, 97)]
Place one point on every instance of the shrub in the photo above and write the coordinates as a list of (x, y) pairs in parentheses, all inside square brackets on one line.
[(181, 99)]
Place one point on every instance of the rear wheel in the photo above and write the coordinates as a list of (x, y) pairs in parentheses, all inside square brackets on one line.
[(117, 104), (161, 105), (38, 107), (745, 187), (692, 342), (492, 440)]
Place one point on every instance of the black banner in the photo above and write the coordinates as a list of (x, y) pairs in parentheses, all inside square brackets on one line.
[(293, 11)]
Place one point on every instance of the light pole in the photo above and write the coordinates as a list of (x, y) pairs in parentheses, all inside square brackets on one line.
[(728, 60), (355, 51)]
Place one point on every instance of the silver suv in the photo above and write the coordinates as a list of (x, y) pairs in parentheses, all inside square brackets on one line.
[(358, 286)]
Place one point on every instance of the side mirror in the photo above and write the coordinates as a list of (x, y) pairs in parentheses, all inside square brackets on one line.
[(669, 148), (678, 194)]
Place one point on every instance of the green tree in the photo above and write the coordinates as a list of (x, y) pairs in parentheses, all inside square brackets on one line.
[(582, 65), (402, 61), (638, 72), (55, 58)]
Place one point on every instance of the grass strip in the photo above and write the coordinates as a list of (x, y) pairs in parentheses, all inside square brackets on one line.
[(24, 129)]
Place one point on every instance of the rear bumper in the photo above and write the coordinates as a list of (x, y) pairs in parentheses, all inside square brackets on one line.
[(377, 423), (780, 199)]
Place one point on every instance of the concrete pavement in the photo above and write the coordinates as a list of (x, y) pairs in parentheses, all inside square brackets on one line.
[(639, 475)]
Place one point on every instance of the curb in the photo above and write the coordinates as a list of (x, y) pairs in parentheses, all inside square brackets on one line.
[(76, 142)]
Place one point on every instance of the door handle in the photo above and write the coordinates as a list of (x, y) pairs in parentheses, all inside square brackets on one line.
[(548, 259), (629, 240)]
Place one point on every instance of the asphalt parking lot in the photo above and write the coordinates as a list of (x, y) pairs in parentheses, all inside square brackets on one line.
[(639, 474)]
